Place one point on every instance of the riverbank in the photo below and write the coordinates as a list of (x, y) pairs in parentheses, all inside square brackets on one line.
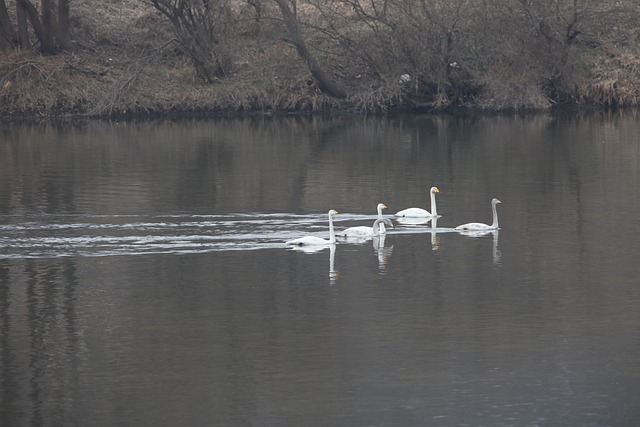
[(105, 81), (127, 62)]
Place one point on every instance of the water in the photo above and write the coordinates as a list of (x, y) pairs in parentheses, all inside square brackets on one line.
[(144, 278)]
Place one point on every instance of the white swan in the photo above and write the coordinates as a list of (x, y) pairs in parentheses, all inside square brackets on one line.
[(364, 231), (478, 226), (316, 241), (419, 212)]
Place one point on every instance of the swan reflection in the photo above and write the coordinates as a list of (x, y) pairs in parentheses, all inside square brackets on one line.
[(333, 274), (497, 255), (435, 239), (383, 253)]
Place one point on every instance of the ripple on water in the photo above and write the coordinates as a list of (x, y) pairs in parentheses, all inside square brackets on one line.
[(107, 235)]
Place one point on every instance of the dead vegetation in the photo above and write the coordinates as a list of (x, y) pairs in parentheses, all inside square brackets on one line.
[(128, 60), (614, 81)]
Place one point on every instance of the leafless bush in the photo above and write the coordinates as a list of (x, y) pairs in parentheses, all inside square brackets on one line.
[(614, 82), (201, 28)]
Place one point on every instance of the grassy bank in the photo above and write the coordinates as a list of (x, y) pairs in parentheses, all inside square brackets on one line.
[(127, 61)]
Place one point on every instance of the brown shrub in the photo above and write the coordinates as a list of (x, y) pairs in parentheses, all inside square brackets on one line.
[(614, 81)]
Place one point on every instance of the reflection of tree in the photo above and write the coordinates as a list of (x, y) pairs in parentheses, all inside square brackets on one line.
[(279, 165), (39, 300), (11, 382)]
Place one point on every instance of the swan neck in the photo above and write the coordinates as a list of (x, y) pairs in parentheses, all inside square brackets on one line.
[(332, 235), (434, 211), (495, 216), (377, 227)]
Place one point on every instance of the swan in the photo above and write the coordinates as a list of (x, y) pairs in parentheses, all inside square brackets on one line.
[(478, 226), (419, 212), (364, 231), (316, 241)]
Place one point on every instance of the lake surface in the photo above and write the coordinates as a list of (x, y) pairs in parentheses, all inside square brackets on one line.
[(144, 279)]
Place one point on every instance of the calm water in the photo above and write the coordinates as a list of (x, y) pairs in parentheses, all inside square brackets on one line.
[(144, 279)]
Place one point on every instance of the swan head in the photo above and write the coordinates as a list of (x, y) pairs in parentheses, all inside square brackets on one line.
[(382, 206), (332, 213), (434, 190), (495, 201)]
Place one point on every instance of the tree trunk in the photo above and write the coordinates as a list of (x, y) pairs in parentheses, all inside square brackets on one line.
[(46, 41), (52, 27), (23, 29), (325, 83), (63, 35), (7, 33), (48, 26)]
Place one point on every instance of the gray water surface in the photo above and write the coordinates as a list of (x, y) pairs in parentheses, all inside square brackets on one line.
[(144, 279)]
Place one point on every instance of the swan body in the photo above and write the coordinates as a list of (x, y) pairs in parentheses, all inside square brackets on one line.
[(478, 226), (419, 212), (364, 231), (316, 241), (407, 220)]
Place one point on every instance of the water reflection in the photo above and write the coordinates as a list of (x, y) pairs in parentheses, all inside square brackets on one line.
[(37, 362), (496, 254), (144, 280), (434, 230), (435, 239), (383, 253), (333, 273)]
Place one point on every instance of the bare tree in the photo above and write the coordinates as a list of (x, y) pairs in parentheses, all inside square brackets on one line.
[(200, 27), (537, 52), (324, 81), (411, 43)]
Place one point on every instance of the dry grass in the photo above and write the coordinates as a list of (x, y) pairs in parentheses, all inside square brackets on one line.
[(127, 62), (516, 93), (614, 81)]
